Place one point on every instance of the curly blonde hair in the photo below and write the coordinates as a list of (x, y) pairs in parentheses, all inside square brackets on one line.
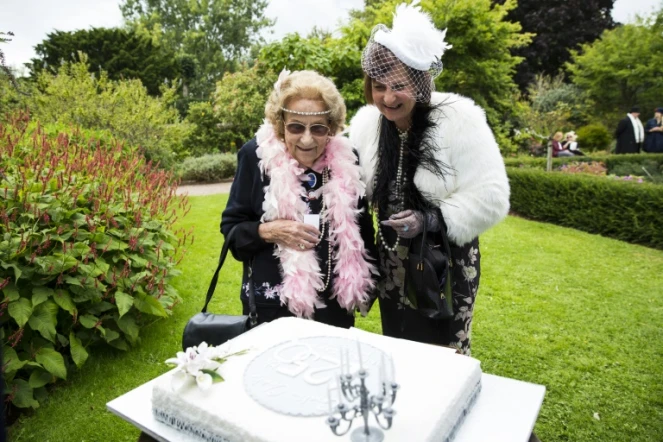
[(309, 85)]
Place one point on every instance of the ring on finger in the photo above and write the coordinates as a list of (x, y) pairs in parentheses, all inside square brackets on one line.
[(406, 228), (302, 246)]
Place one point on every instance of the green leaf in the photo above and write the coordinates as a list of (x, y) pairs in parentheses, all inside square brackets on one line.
[(62, 340), (56, 263), (11, 292), (63, 299), (80, 249), (39, 378), (23, 395), (89, 270), (216, 377), (78, 352), (44, 319), (82, 294), (73, 281), (88, 321), (120, 344), (128, 325), (102, 265), (20, 310), (52, 361), (124, 302), (100, 307), (148, 304), (137, 261), (17, 269), (40, 294), (40, 394), (11, 360), (111, 335)]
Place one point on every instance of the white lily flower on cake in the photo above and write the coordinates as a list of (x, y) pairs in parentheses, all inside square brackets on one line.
[(200, 363)]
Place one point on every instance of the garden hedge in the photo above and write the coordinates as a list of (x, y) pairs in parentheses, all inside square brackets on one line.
[(625, 210), (611, 161), (208, 168)]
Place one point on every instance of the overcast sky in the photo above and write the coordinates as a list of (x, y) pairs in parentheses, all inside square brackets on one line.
[(31, 20)]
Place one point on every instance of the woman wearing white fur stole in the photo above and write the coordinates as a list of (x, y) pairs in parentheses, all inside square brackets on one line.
[(427, 156), (298, 208)]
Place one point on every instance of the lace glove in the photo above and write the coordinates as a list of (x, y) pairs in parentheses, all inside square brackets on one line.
[(408, 223)]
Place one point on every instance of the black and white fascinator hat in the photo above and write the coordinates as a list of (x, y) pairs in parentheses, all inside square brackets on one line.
[(415, 42)]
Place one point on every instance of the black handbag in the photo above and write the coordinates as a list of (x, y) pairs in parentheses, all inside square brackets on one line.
[(429, 270), (217, 329)]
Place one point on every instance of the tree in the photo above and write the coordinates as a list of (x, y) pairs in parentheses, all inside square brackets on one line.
[(11, 93), (558, 26), (215, 32), (239, 104), (331, 57), (75, 96), (549, 108), (118, 52), (622, 69)]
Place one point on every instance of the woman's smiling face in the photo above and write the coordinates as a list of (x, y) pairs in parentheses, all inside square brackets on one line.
[(394, 98), (306, 147)]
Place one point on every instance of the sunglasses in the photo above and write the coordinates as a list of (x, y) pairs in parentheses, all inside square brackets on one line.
[(317, 130)]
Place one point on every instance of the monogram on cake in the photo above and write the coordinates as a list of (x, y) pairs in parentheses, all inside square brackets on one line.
[(285, 385)]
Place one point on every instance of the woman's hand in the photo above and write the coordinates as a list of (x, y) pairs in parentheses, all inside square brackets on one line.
[(292, 234), (408, 223)]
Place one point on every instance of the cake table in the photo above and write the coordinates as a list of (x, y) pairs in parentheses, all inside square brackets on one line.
[(504, 410)]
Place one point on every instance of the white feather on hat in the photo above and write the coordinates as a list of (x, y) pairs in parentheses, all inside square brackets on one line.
[(414, 39)]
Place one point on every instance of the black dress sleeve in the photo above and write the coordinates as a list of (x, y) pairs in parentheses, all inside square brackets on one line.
[(244, 207)]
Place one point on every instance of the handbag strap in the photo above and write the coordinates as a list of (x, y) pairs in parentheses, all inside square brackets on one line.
[(253, 315)]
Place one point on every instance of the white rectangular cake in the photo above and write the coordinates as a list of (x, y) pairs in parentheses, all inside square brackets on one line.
[(284, 387)]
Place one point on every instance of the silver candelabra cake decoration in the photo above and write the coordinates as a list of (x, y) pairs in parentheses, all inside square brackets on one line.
[(356, 401)]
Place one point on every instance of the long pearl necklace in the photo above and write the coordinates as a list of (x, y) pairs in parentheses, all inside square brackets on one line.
[(323, 215), (400, 192)]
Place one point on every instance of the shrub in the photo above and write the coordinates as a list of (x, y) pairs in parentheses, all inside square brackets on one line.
[(593, 137), (619, 209), (631, 164), (649, 168), (208, 168), (124, 108), (239, 104), (206, 137), (86, 252)]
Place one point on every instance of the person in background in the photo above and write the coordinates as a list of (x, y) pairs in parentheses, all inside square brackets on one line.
[(654, 131), (571, 144), (298, 209), (629, 133), (557, 149)]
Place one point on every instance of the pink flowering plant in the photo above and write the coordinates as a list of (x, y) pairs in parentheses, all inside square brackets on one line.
[(200, 364), (87, 250), (590, 168), (631, 178)]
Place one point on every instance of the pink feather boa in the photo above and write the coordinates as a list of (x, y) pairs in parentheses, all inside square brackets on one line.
[(300, 270)]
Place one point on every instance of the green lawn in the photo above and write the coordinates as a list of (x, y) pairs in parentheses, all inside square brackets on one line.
[(578, 313)]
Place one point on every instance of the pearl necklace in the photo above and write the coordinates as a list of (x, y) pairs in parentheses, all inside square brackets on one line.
[(400, 192), (325, 179)]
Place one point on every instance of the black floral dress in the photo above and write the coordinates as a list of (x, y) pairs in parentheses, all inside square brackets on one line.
[(400, 318)]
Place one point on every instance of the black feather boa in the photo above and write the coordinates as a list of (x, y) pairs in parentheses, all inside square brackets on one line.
[(420, 153)]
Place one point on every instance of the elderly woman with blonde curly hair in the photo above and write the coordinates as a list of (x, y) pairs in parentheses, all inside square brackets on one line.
[(297, 207)]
